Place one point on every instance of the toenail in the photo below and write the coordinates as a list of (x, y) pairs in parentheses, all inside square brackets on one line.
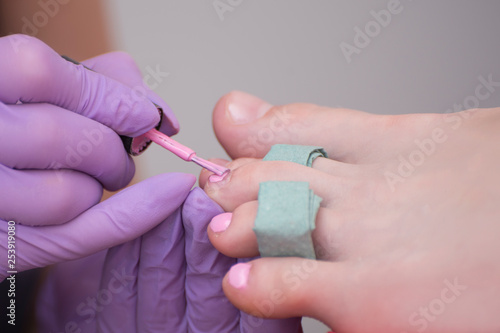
[(238, 275), (221, 222), (244, 108), (218, 179)]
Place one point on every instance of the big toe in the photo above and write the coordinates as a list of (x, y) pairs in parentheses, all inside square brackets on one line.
[(247, 126)]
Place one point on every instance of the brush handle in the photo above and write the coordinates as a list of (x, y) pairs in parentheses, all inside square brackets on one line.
[(170, 144)]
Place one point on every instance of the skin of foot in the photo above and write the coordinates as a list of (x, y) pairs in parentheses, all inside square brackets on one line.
[(407, 235)]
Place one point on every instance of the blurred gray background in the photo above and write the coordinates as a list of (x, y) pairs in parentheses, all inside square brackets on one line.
[(426, 59)]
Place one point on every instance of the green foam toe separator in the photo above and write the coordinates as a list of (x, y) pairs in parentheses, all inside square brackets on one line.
[(285, 219), (304, 155), (287, 210)]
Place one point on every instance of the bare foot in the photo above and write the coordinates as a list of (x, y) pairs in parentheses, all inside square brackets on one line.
[(407, 233)]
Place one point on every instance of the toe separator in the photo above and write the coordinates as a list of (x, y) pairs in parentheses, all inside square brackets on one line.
[(287, 210)]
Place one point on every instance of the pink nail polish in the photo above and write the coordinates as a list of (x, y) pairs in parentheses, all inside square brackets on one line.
[(216, 178), (220, 222), (238, 275), (186, 153)]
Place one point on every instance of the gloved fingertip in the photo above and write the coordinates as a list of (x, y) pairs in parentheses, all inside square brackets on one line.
[(128, 111), (181, 182), (127, 174), (146, 120), (170, 125), (174, 189)]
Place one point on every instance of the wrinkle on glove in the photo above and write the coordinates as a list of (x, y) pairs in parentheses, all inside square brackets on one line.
[(152, 299), (205, 270), (162, 301), (62, 301)]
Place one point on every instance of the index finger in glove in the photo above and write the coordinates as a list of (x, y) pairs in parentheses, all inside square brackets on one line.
[(123, 217), (121, 67), (32, 72)]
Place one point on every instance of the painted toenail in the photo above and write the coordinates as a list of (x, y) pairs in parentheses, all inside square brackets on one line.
[(220, 222), (218, 179), (238, 275)]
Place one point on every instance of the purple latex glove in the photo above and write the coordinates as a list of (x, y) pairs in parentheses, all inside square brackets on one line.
[(169, 280), (59, 147)]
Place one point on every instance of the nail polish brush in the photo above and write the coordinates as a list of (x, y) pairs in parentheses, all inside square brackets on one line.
[(186, 153)]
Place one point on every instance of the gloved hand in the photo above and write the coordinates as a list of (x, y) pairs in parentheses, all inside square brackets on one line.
[(168, 280), (59, 147)]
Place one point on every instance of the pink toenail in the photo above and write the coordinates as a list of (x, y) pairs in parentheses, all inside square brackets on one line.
[(221, 222), (238, 275), (216, 178)]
